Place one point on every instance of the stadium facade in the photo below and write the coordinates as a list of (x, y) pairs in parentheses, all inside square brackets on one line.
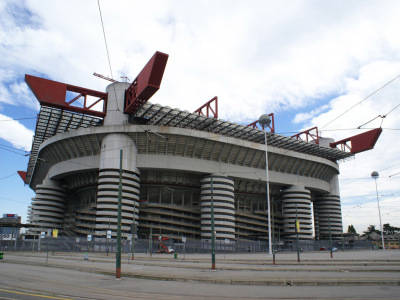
[(173, 163)]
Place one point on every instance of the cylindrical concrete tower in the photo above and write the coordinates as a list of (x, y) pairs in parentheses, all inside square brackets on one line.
[(297, 199), (328, 216), (48, 206), (328, 212), (224, 207), (108, 185), (115, 104)]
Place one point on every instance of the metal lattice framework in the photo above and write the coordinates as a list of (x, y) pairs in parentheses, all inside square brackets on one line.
[(52, 121), (155, 114)]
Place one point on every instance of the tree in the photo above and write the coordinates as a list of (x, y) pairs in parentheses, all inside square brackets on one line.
[(387, 229), (351, 229), (371, 229)]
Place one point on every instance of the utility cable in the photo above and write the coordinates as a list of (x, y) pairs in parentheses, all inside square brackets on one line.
[(12, 200), (18, 119), (368, 176), (1, 147), (108, 54), (9, 147), (105, 39), (379, 116), (393, 109), (8, 176), (386, 84)]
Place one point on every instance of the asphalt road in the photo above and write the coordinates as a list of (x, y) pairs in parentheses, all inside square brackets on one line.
[(68, 276)]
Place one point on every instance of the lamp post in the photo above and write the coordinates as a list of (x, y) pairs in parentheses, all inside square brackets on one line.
[(375, 176), (212, 229), (265, 120), (118, 255)]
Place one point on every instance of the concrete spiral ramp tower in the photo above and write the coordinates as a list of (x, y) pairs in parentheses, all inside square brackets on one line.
[(108, 185), (297, 201), (328, 216), (224, 207), (48, 206)]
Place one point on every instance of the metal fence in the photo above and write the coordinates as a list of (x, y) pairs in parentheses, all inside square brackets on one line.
[(81, 244)]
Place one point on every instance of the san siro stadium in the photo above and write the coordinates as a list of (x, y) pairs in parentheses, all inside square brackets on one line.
[(174, 166)]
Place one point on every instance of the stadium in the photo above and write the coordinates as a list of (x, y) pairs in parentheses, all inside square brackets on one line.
[(180, 171)]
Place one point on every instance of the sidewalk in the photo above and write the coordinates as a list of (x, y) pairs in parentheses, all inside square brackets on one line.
[(314, 269)]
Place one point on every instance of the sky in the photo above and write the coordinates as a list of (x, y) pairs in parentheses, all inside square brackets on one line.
[(332, 64)]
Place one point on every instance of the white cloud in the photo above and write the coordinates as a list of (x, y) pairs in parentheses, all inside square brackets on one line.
[(276, 55), (383, 158), (15, 133)]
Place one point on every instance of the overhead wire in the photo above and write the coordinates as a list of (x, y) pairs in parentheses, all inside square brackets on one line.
[(383, 86), (368, 177), (12, 200), (8, 176), (18, 119), (108, 54), (4, 148), (105, 39), (379, 116)]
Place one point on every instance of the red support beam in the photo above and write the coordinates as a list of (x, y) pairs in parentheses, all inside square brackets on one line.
[(22, 174), (74, 99), (360, 142), (271, 126), (146, 84), (208, 108), (309, 135), (53, 93)]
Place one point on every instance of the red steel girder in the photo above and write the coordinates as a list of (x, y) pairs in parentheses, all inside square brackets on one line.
[(22, 174), (309, 136), (360, 142), (52, 93), (209, 109), (146, 84), (270, 126)]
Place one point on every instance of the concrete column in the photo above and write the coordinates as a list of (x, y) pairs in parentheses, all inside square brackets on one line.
[(300, 197), (115, 104), (107, 194), (224, 207), (48, 206), (327, 213), (325, 204)]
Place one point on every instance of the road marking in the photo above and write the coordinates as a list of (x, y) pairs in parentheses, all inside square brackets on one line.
[(35, 295)]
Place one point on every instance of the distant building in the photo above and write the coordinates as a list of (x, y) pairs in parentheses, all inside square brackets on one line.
[(392, 241), (9, 227)]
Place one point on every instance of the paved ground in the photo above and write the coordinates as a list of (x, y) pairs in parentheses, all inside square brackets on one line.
[(357, 274)]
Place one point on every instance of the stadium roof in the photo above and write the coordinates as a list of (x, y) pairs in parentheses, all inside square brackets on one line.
[(155, 114), (52, 121)]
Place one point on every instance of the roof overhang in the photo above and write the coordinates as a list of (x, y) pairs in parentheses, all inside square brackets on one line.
[(53, 94)]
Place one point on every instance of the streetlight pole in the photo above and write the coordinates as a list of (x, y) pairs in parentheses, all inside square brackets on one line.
[(212, 229), (133, 230), (330, 236), (297, 228), (118, 256), (108, 232), (375, 176), (265, 120)]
